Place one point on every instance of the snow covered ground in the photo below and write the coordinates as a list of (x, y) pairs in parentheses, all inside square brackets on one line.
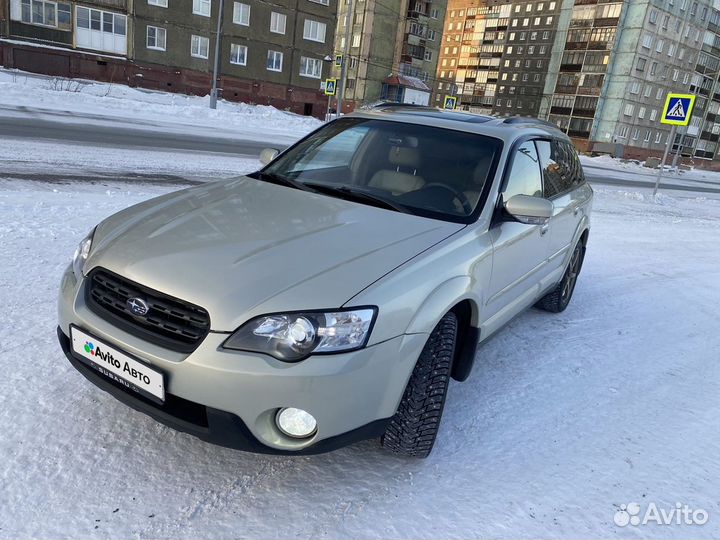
[(93, 103), (564, 419)]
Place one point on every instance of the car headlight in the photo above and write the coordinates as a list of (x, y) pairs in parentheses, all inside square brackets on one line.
[(292, 337), (81, 254)]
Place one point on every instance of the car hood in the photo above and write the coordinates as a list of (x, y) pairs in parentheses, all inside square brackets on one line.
[(244, 247)]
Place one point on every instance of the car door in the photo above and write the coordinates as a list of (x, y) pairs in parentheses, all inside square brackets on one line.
[(561, 178), (519, 250)]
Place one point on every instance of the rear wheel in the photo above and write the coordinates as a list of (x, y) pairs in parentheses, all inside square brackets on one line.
[(412, 431), (558, 299)]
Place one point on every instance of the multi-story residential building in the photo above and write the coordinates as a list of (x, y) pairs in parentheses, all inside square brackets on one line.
[(496, 54), (393, 49), (474, 40), (272, 53), (614, 64)]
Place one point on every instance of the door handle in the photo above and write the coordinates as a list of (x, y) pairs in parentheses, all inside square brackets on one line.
[(576, 211), (544, 229)]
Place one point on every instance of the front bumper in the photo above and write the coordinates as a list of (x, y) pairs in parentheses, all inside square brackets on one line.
[(210, 425), (230, 398)]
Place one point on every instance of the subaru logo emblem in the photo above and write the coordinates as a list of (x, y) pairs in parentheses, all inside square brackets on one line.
[(138, 306)]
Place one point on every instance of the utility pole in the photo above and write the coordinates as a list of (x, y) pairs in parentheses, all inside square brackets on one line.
[(216, 64), (346, 52)]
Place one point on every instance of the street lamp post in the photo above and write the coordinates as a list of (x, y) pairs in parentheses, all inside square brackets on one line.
[(216, 63), (346, 51)]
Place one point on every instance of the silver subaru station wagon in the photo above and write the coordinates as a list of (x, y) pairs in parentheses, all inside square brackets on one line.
[(330, 296)]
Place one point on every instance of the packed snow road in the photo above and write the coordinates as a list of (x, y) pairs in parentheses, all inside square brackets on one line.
[(565, 418)]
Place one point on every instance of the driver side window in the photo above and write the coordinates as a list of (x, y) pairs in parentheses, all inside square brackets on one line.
[(524, 177)]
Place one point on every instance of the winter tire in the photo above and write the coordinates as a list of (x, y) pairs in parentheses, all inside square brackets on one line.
[(558, 299), (413, 429)]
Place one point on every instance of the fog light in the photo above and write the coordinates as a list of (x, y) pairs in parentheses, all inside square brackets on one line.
[(295, 423)]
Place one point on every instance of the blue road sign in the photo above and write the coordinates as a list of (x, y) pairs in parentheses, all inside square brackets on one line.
[(678, 108)]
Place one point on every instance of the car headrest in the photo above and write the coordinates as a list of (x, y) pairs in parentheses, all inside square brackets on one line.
[(402, 156), (482, 169)]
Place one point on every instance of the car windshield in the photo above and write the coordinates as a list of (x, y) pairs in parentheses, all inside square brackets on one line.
[(412, 168)]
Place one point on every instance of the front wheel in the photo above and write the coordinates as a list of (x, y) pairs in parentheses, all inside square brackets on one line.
[(412, 431), (558, 299)]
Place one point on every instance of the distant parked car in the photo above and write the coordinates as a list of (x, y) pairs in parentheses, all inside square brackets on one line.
[(330, 296)]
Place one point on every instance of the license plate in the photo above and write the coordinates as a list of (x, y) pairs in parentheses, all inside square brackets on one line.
[(117, 365)]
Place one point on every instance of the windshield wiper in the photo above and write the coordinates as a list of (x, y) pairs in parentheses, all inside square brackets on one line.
[(282, 180), (359, 196)]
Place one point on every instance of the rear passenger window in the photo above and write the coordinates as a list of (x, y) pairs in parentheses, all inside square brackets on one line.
[(560, 166), (577, 170), (524, 178)]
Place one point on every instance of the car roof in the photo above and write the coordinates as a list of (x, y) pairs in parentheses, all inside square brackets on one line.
[(507, 129)]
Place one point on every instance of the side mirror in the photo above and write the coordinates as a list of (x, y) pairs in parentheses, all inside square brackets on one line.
[(267, 155), (529, 210)]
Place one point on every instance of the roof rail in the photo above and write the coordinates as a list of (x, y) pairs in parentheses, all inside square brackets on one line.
[(385, 104), (528, 120)]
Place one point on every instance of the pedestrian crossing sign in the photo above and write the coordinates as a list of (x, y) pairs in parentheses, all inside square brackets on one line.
[(678, 108), (450, 102), (330, 87)]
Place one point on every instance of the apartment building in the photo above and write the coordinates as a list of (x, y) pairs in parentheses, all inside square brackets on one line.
[(614, 64), (273, 53), (495, 55), (393, 49)]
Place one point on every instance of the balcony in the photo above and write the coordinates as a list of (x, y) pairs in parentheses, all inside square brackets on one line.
[(588, 90), (576, 45), (560, 89), (584, 113), (573, 68)]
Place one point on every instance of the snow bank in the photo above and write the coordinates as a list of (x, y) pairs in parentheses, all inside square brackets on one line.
[(20, 89)]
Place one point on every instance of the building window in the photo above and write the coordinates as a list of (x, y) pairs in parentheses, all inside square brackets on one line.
[(274, 61), (159, 3), (310, 67), (428, 56), (39, 12), (201, 7), (199, 46), (623, 132), (629, 108), (100, 30), (647, 136), (641, 113), (314, 31), (641, 64), (434, 13), (356, 40), (653, 114), (241, 14), (238, 54), (431, 35), (278, 22), (155, 38)]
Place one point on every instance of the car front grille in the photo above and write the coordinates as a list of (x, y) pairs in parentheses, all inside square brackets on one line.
[(169, 322)]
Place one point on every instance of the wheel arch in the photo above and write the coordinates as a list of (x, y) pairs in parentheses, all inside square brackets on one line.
[(454, 295)]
